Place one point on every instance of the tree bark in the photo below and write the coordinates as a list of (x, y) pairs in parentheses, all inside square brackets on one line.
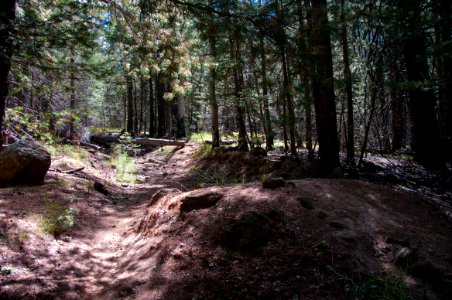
[(304, 68), (397, 112), (269, 134), (129, 104), (323, 88), (142, 101), (212, 86), (348, 88), (7, 18), (135, 109), (287, 93), (151, 107), (444, 11), (161, 105), (72, 101), (427, 140), (238, 85)]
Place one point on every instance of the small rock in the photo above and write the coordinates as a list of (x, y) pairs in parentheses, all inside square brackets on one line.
[(198, 200), (273, 183), (306, 203), (404, 256)]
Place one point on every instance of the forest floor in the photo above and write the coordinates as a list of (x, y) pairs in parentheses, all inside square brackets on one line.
[(309, 239)]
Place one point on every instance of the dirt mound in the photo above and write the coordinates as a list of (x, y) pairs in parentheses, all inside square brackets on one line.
[(325, 236), (223, 166)]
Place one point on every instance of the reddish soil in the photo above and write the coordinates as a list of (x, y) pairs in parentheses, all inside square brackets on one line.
[(327, 238)]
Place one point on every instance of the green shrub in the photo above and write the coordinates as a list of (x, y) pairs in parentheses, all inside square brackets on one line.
[(124, 165), (200, 137), (57, 219)]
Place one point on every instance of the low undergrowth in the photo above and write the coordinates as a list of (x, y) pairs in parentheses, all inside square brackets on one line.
[(58, 218), (124, 165)]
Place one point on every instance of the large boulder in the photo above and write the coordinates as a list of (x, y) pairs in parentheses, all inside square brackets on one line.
[(24, 163), (200, 199)]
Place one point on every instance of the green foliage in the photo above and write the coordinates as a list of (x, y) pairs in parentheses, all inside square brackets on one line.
[(57, 219), (71, 151), (217, 177), (124, 165), (205, 151), (27, 125), (200, 137)]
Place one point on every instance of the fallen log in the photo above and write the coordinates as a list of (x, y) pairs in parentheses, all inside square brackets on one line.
[(83, 144), (109, 138), (224, 142), (91, 146), (74, 170), (158, 142), (103, 139)]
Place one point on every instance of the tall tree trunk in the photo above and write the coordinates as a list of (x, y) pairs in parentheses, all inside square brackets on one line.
[(269, 134), (212, 93), (304, 68), (161, 105), (151, 107), (397, 112), (142, 101), (282, 100), (322, 87), (444, 11), (238, 86), (289, 101), (135, 109), (7, 17), (124, 109), (129, 105), (427, 140), (72, 100), (348, 89), (287, 93), (180, 122), (367, 128)]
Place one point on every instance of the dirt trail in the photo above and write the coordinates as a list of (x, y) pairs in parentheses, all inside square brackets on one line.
[(87, 261), (112, 245)]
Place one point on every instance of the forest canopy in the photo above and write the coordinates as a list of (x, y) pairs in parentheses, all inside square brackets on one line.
[(333, 76)]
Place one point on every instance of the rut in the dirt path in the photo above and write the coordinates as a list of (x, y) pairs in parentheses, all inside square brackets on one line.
[(114, 244)]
